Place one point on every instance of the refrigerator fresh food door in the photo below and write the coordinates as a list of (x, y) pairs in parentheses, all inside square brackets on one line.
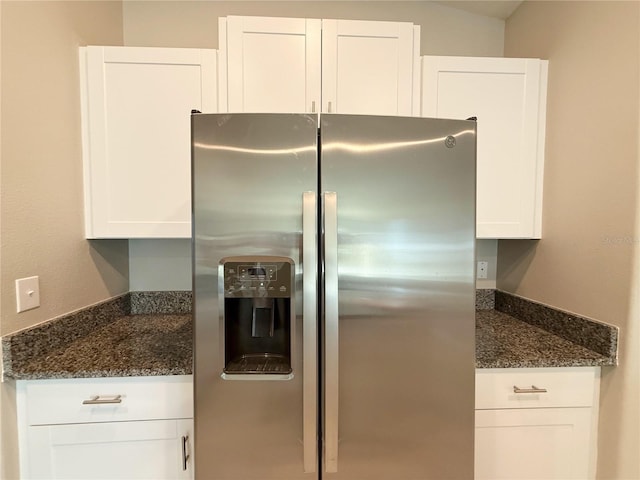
[(254, 206), (398, 334)]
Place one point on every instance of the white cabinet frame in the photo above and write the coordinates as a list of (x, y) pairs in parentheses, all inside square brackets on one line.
[(142, 427), (136, 105), (548, 429), (508, 95), (298, 65)]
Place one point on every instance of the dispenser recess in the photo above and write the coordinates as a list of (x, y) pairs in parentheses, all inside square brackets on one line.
[(257, 316)]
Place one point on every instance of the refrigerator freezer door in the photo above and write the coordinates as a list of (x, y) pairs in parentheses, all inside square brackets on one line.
[(249, 176), (405, 254)]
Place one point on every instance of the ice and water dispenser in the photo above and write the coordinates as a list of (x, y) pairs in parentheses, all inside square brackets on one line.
[(257, 316)]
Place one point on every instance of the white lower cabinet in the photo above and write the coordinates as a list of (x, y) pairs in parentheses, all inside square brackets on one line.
[(114, 450), (112, 428), (536, 423), (531, 423)]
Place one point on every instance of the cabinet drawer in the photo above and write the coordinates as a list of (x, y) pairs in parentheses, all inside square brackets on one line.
[(565, 387), (140, 398)]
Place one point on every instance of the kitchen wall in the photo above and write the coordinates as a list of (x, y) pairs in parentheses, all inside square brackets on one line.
[(445, 31), (42, 200), (166, 265), (41, 211), (585, 262), (3, 463)]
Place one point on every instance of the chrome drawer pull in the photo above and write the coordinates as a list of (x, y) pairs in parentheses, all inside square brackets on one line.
[(533, 389), (185, 452), (96, 400)]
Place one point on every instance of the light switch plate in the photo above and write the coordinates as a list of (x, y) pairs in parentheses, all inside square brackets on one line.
[(27, 293)]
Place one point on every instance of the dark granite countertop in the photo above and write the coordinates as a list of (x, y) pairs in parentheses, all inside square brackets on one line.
[(146, 334), (503, 341), (132, 345)]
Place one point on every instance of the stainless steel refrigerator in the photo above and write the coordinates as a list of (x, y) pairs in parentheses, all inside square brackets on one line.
[(334, 297)]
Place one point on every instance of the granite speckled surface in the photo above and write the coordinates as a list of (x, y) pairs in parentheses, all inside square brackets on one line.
[(175, 302), (151, 333), (503, 341), (485, 299), (139, 333), (57, 334), (132, 345), (596, 336)]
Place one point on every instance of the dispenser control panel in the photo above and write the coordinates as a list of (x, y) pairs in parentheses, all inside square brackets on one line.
[(258, 272), (267, 277)]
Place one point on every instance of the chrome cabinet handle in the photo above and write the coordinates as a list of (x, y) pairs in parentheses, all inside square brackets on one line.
[(99, 400), (313, 106), (533, 389), (185, 452), (309, 331), (331, 330), (329, 107)]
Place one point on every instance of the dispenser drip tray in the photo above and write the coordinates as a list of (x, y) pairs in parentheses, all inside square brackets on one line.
[(261, 363)]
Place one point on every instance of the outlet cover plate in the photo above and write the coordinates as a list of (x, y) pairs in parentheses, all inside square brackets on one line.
[(482, 269)]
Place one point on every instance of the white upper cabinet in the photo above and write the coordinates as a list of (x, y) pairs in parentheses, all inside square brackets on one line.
[(272, 64), (310, 65), (367, 67), (136, 137), (508, 97)]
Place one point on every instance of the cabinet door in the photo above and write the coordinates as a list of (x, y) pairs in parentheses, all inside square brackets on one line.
[(117, 450), (367, 67), (273, 64), (534, 444), (136, 108), (507, 95)]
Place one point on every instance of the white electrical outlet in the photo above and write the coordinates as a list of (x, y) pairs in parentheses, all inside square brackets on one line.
[(481, 272), (27, 293)]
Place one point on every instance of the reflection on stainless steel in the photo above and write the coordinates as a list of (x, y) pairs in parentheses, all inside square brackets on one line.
[(255, 151), (331, 333), (385, 285), (383, 147), (310, 341)]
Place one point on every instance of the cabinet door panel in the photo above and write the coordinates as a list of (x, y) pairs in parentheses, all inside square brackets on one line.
[(118, 450), (137, 140), (505, 96), (367, 67), (534, 444), (273, 64)]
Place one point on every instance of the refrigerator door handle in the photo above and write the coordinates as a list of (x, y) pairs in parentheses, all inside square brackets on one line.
[(331, 331), (309, 331)]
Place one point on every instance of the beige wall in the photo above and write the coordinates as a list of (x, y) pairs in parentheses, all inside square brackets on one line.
[(41, 216), (584, 263), (445, 31), (3, 463), (41, 209)]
